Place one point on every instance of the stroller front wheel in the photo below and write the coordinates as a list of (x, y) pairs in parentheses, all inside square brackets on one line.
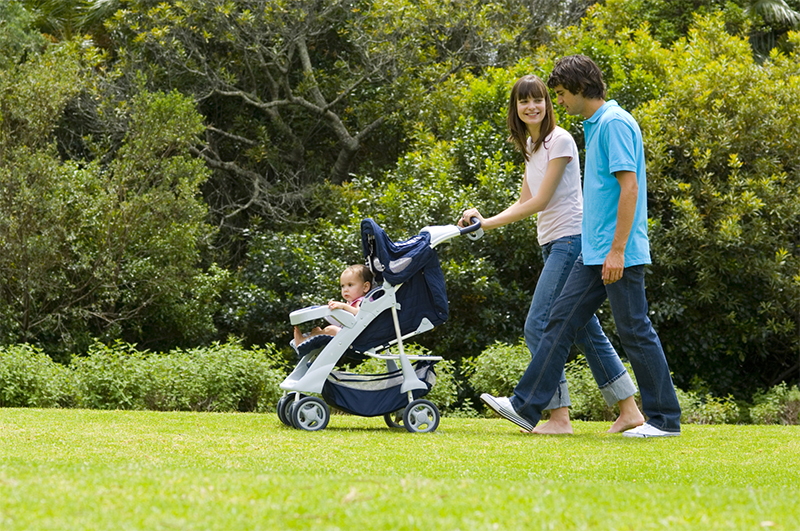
[(284, 404), (310, 414), (421, 416)]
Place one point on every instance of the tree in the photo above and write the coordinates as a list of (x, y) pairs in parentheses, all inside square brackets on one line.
[(295, 92), (106, 247), (723, 170)]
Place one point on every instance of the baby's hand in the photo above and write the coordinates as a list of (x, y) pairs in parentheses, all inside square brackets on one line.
[(336, 305)]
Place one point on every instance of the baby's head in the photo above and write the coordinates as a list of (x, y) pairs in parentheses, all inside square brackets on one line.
[(356, 281)]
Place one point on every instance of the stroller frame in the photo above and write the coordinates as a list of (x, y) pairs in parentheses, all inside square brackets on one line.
[(314, 367)]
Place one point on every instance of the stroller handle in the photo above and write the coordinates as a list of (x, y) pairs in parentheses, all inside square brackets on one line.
[(475, 225), (473, 231)]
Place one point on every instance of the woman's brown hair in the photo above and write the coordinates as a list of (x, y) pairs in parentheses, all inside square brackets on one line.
[(529, 87)]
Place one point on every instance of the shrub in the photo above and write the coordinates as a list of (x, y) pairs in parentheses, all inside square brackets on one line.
[(707, 409), (587, 401), (498, 368), (778, 405), (29, 378), (109, 377), (222, 377)]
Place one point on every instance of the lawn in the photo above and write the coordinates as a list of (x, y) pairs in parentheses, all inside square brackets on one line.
[(120, 470)]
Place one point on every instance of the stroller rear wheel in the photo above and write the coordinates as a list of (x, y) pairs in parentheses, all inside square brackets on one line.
[(394, 420), (310, 414), (421, 416)]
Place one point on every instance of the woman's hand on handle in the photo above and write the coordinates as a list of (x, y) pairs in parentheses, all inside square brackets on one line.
[(466, 217)]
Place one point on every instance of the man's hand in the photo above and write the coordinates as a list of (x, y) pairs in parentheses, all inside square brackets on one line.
[(613, 266)]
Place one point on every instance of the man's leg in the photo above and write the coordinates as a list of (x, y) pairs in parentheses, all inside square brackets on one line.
[(643, 349), (612, 378), (616, 385), (582, 295)]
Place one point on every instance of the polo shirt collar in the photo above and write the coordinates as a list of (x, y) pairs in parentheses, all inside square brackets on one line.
[(596, 116)]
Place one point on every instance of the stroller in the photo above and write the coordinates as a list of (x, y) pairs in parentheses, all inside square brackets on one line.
[(408, 298)]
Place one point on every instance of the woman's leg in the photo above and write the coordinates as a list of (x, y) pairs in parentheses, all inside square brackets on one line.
[(558, 255)]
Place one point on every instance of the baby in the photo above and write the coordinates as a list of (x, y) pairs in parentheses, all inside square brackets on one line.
[(356, 281)]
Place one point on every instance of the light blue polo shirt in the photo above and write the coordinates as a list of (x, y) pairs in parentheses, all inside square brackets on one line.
[(613, 143)]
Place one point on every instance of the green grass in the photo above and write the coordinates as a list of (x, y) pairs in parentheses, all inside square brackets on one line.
[(97, 470)]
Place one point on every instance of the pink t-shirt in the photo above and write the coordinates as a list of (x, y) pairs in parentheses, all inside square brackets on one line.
[(563, 215)]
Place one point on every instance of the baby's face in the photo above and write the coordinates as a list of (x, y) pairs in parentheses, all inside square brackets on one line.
[(352, 286)]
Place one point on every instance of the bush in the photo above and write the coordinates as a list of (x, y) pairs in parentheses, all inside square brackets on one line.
[(707, 409), (222, 377), (109, 377), (587, 401), (29, 378), (778, 405), (498, 369)]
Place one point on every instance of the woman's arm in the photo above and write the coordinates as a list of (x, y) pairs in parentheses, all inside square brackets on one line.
[(527, 204)]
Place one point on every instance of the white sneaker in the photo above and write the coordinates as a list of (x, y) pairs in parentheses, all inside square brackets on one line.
[(502, 406), (648, 430)]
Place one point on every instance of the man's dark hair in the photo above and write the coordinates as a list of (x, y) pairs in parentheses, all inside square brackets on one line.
[(579, 75)]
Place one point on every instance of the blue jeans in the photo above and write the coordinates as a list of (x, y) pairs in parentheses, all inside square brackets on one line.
[(582, 295), (613, 380)]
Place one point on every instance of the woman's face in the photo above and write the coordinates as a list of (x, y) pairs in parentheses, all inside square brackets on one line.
[(531, 111)]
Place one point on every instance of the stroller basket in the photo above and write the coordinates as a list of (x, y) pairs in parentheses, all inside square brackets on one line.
[(372, 395)]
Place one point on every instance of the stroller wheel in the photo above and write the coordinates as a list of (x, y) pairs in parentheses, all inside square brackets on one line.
[(310, 414), (394, 420), (284, 404), (421, 416)]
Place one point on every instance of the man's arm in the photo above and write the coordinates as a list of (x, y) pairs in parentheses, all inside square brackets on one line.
[(614, 264)]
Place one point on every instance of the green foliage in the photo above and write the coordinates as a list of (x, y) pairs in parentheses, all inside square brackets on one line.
[(29, 378), (778, 405), (109, 377), (222, 377), (106, 247), (587, 401), (707, 409), (723, 183), (498, 369), (285, 272), (17, 37)]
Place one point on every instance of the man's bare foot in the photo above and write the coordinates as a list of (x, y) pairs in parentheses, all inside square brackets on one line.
[(629, 416), (553, 427), (624, 423)]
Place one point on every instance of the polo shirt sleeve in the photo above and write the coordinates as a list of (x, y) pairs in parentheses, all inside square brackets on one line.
[(621, 142)]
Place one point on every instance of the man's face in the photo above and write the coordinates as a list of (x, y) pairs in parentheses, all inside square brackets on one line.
[(574, 104)]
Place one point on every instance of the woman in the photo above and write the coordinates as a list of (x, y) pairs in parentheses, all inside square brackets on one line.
[(551, 186)]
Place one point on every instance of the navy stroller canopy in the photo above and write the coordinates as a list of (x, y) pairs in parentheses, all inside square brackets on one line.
[(395, 262), (412, 263)]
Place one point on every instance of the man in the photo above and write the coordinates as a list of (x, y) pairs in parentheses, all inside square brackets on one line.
[(615, 252)]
